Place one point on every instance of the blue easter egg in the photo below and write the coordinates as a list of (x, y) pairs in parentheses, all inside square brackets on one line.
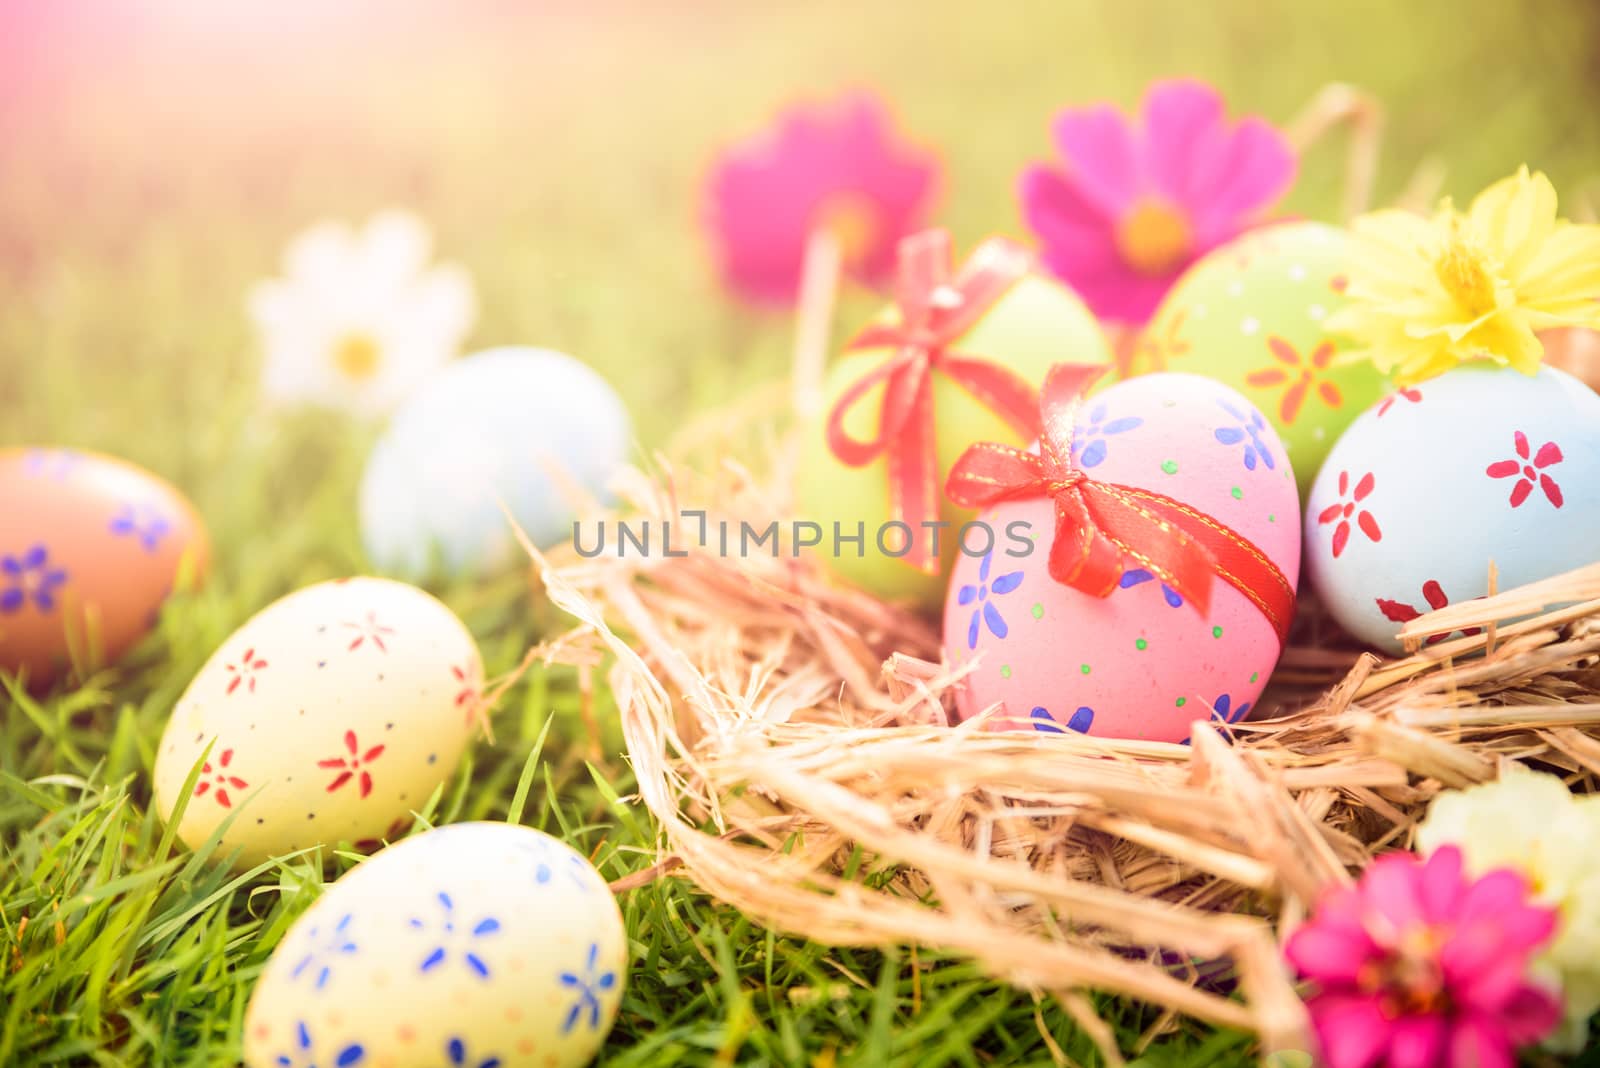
[(1436, 481), (518, 425)]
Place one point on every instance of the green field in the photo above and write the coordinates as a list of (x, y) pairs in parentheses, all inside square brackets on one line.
[(151, 171)]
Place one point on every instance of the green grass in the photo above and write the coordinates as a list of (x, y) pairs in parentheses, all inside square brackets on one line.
[(144, 187)]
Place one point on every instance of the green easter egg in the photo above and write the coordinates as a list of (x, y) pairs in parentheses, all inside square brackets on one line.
[(1250, 315), (1036, 324)]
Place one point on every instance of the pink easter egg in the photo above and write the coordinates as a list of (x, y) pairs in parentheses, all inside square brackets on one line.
[(1143, 662)]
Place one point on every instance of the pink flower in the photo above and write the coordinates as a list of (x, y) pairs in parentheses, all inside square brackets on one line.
[(840, 166), (1418, 966), (1135, 203)]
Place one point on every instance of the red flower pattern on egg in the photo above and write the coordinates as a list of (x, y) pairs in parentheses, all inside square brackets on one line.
[(244, 672), (467, 696), (220, 779), (1299, 374), (366, 630), (353, 765), (1342, 510), (1408, 394), (1529, 474), (1433, 593)]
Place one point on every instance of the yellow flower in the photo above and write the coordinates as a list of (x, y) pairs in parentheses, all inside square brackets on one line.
[(1529, 821), (1428, 294)]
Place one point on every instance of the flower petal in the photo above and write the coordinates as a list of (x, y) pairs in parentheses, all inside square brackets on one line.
[(1101, 153), (1391, 891), (1564, 278), (1418, 1041), (1352, 1029), (1480, 1042), (1183, 124), (1247, 174), (1332, 953), (1514, 217)]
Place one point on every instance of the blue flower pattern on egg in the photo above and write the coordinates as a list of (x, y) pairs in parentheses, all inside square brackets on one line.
[(548, 861), (324, 952), (143, 523), (451, 936), (589, 986), (987, 612), (1091, 440), (456, 1055), (1224, 712), (1080, 722), (29, 577), (1139, 575), (302, 1055), (1248, 433), (54, 464)]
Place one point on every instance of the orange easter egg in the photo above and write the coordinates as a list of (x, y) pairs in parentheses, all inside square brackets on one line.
[(90, 546)]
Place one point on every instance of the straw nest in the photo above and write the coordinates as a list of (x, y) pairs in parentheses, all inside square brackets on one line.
[(794, 741)]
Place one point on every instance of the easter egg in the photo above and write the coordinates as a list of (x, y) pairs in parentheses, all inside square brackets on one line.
[(1035, 324), (330, 715), (531, 428), (1250, 315), (89, 548), (1434, 482), (1143, 662), (470, 945)]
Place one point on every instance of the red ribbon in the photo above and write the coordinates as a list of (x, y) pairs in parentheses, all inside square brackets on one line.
[(1100, 525), (935, 310)]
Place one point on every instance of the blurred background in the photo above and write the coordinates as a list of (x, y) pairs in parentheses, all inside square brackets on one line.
[(156, 156)]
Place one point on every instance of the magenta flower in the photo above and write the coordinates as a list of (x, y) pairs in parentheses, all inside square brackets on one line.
[(841, 167), (1420, 967), (1134, 203)]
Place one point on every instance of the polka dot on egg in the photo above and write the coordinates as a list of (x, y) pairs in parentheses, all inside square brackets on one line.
[(1235, 289), (1254, 675), (1084, 668), (1038, 610), (1297, 273), (1317, 313), (1005, 671), (1140, 644), (1169, 466), (1216, 632), (1249, 325), (1238, 493), (1182, 701)]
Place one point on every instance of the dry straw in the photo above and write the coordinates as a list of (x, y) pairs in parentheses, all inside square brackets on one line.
[(793, 741)]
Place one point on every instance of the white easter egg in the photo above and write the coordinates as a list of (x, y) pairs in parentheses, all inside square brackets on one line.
[(330, 714), (516, 430), (1434, 482), (470, 945)]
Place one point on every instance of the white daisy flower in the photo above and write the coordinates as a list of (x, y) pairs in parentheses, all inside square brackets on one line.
[(359, 318)]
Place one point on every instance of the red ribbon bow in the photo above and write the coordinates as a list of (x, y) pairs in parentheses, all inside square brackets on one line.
[(1100, 525), (935, 310)]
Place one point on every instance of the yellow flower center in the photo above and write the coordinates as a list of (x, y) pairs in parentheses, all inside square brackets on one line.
[(852, 218), (1154, 236), (357, 356), (1463, 269)]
